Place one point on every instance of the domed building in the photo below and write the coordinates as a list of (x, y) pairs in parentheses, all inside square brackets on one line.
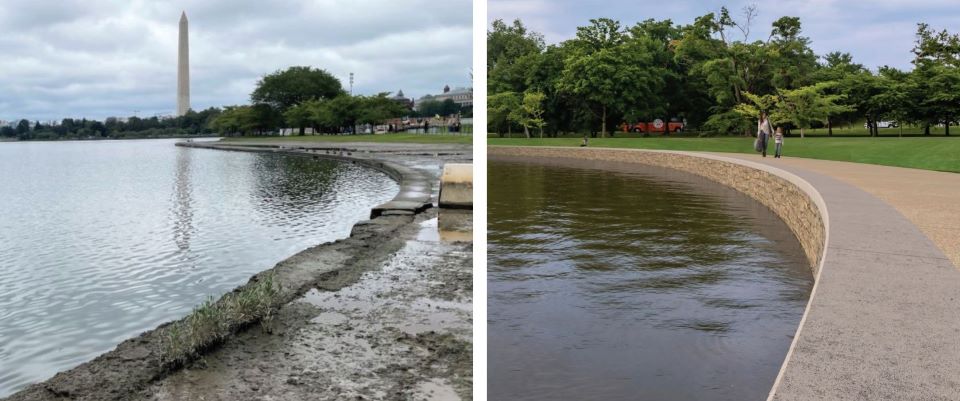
[(400, 98), (461, 96)]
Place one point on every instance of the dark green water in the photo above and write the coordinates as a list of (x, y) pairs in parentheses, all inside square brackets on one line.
[(635, 283)]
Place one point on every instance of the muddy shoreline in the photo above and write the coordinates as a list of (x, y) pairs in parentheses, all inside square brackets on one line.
[(136, 364)]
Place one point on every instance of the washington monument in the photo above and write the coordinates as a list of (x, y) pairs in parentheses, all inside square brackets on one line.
[(183, 69)]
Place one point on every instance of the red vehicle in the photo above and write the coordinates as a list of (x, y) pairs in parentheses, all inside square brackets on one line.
[(655, 126)]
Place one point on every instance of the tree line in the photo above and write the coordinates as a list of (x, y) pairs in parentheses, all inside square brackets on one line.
[(710, 74), (305, 97), (298, 97), (190, 124)]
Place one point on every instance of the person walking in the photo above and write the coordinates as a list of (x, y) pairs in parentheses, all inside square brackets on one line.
[(763, 133), (778, 142)]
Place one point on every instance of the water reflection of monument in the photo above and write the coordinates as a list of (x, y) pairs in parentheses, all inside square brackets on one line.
[(182, 201)]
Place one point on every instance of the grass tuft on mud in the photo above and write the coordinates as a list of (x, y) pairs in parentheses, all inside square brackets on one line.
[(211, 322)]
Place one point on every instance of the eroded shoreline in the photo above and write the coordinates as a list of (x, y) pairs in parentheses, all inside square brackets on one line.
[(138, 362)]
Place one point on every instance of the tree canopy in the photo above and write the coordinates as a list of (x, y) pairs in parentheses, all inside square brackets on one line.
[(287, 88), (715, 74)]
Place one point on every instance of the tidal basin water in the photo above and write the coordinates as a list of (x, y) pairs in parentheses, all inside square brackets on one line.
[(635, 283), (102, 240)]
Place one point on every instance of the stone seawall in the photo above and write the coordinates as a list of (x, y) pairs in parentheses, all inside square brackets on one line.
[(792, 199)]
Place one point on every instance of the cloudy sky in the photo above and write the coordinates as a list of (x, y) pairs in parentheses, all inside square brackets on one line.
[(875, 32), (99, 58)]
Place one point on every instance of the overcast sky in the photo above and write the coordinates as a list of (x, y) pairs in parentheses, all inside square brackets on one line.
[(875, 32), (99, 58)]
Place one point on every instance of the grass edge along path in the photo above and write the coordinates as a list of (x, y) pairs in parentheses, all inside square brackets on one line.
[(926, 153), (465, 139)]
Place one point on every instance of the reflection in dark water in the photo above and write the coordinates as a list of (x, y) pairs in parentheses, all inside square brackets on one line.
[(102, 240), (618, 284)]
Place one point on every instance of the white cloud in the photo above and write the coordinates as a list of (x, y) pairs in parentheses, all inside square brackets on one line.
[(96, 58)]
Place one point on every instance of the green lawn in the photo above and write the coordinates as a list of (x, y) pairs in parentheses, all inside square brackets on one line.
[(929, 153), (407, 138)]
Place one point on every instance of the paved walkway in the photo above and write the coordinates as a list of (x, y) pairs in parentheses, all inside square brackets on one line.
[(883, 322), (929, 199)]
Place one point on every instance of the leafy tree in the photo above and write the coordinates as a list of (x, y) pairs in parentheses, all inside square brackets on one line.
[(344, 111), (839, 67), (429, 107), (806, 105), (510, 51), (299, 115), (285, 89), (233, 120), (23, 129), (943, 99), (613, 73), (379, 108), (532, 112), (499, 107)]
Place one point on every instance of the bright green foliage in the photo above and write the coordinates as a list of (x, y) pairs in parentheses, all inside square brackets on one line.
[(804, 106), (531, 112), (800, 107), (499, 109)]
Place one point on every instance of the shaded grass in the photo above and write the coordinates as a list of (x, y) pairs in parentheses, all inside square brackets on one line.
[(383, 138), (928, 153), (211, 322)]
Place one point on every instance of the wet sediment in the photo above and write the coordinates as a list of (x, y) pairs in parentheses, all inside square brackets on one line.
[(401, 332)]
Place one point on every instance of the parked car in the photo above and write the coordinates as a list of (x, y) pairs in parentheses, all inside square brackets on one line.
[(655, 126), (883, 124)]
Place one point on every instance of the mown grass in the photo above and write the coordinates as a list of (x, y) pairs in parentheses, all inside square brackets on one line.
[(928, 153), (212, 321), (382, 138)]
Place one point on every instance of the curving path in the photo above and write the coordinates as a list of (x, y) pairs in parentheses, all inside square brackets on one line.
[(929, 199), (883, 321)]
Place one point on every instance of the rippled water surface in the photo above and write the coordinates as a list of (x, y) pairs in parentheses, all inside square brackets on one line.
[(102, 240), (635, 283)]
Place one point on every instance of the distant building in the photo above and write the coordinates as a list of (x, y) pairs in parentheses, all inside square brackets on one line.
[(399, 98), (460, 96)]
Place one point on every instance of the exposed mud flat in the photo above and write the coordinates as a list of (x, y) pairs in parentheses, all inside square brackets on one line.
[(402, 331)]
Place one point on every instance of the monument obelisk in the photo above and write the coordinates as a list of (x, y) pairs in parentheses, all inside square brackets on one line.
[(183, 69)]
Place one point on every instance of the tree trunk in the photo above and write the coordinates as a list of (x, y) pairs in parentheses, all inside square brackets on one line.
[(526, 131), (926, 128), (946, 127), (829, 127), (801, 132), (603, 123)]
